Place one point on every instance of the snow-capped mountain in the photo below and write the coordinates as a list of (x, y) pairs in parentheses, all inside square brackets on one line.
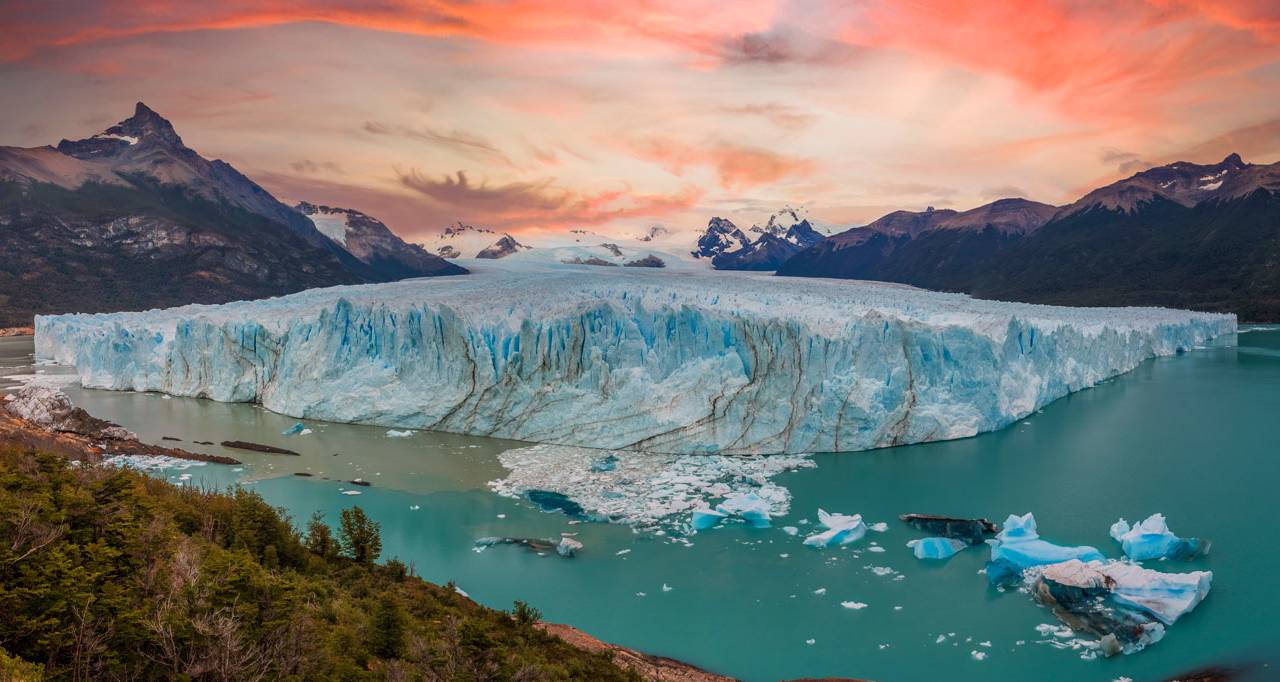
[(502, 248), (133, 218), (371, 241), (468, 241), (1185, 235), (782, 236), (720, 237)]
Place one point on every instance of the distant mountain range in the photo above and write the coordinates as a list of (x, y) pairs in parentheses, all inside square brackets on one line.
[(729, 248), (468, 241), (132, 218), (1205, 237)]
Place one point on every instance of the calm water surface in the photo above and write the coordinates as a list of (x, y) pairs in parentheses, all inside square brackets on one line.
[(1196, 437)]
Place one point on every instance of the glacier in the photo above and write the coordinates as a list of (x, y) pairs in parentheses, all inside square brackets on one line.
[(674, 362)]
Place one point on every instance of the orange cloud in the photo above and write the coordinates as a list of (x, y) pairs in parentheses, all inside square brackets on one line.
[(738, 167), (541, 204), (31, 25), (1098, 60)]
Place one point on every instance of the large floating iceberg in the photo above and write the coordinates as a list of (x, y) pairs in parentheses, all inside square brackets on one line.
[(673, 362)]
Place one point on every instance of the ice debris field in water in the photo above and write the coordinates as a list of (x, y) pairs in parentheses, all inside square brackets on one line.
[(674, 362)]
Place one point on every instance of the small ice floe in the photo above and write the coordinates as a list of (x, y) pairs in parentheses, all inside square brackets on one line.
[(704, 518), (820, 591), (415, 507), (1125, 605), (875, 548), (1018, 547), (936, 548), (502, 516), (1151, 539), (622, 552), (842, 529), (811, 642), (667, 588), (166, 396), (855, 605), (879, 527), (641, 594), (790, 530), (392, 433), (978, 655), (295, 430), (748, 506), (568, 547)]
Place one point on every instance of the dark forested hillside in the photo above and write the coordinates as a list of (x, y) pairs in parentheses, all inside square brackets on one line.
[(107, 574)]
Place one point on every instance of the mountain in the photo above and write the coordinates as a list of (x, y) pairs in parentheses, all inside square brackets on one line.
[(468, 241), (374, 244), (783, 236), (720, 236), (133, 218), (502, 248), (1200, 236)]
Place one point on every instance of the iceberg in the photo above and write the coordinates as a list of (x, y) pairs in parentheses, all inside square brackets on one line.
[(568, 547), (842, 529), (705, 518), (294, 430), (1151, 539), (936, 548), (631, 358), (1020, 545), (1127, 606), (750, 507)]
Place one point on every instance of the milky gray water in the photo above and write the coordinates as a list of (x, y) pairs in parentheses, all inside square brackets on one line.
[(1195, 436)]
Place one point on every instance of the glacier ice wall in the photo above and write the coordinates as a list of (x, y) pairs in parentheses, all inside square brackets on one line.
[(679, 363)]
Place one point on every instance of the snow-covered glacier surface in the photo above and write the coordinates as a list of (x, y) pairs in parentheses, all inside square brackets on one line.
[(672, 362)]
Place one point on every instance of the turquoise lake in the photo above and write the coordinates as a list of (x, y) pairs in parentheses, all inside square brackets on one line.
[(1196, 437)]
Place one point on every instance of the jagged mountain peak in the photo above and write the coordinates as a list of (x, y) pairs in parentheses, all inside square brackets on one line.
[(144, 130)]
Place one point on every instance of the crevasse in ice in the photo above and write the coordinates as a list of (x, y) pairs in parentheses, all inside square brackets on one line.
[(680, 362)]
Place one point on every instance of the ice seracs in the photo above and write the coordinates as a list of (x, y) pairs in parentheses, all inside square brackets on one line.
[(841, 529), (1151, 539), (631, 358)]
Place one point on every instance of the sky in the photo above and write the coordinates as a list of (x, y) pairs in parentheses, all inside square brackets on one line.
[(615, 115)]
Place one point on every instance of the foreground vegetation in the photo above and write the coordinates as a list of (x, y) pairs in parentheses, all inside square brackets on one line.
[(109, 574)]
